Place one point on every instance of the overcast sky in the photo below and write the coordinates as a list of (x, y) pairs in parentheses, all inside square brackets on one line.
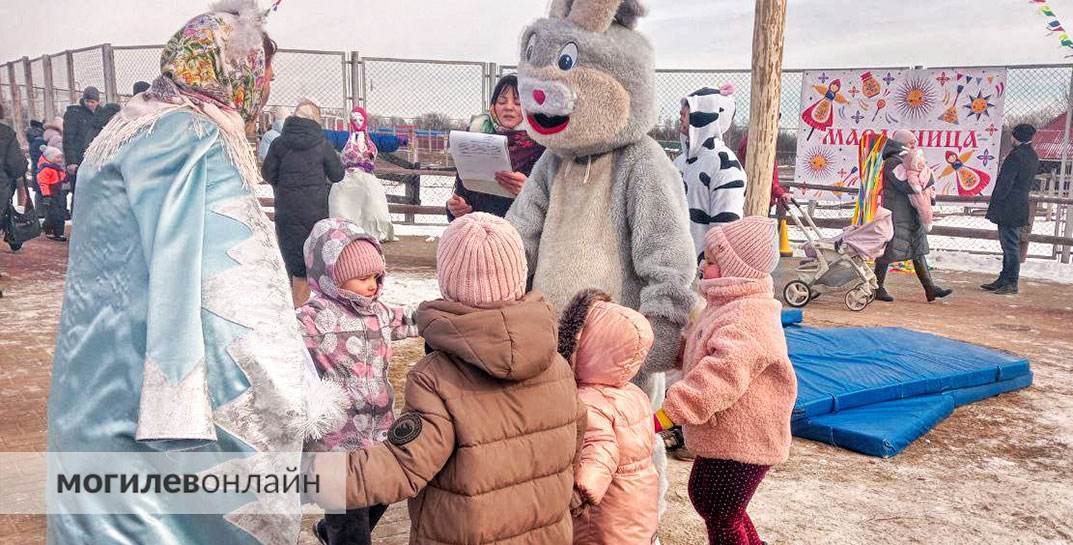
[(686, 33)]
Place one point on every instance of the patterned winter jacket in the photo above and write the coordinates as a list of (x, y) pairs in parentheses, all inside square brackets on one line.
[(349, 338)]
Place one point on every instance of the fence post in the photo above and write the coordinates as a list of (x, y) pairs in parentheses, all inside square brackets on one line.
[(108, 60), (488, 82), (1064, 171), (16, 101), (49, 94), (413, 194), (73, 93), (8, 115), (357, 80), (1068, 232), (28, 74)]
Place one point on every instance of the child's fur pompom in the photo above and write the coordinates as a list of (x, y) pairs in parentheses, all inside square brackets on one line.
[(573, 319)]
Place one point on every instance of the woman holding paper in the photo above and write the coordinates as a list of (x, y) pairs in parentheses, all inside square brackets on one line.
[(504, 117)]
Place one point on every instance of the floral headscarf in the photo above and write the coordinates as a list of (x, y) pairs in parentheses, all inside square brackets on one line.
[(359, 151), (208, 60)]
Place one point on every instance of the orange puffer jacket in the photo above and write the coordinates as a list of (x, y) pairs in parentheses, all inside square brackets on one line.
[(616, 474), (49, 177)]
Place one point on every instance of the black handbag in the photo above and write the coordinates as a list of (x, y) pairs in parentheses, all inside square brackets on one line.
[(20, 227)]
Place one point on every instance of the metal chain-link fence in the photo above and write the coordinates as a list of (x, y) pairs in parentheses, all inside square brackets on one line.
[(89, 68), (424, 99), (134, 64), (320, 76)]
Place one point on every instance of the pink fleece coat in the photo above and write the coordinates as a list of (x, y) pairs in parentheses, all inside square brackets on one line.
[(738, 389), (615, 474)]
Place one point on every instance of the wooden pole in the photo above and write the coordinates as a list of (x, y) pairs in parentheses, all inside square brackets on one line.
[(768, 30)]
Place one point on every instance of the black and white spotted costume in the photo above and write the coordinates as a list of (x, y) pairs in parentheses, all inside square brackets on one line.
[(713, 176)]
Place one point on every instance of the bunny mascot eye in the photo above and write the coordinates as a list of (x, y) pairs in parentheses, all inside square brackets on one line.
[(567, 56)]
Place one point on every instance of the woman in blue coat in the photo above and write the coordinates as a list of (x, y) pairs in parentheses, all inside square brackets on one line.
[(177, 332)]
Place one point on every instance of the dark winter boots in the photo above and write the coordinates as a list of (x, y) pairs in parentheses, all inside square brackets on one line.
[(931, 291), (881, 276)]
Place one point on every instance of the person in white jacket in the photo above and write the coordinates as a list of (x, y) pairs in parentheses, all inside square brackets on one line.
[(714, 178)]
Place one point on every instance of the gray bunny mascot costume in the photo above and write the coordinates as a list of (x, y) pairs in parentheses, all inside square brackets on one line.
[(604, 207)]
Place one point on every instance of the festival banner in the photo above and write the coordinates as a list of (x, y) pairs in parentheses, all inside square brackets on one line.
[(956, 116)]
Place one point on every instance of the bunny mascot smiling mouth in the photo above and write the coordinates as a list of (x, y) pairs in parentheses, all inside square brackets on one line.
[(604, 207)]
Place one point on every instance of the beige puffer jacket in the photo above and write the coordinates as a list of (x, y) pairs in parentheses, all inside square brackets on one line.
[(616, 474), (488, 438)]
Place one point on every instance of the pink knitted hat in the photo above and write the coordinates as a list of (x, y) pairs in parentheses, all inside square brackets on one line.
[(743, 249), (358, 259), (480, 260)]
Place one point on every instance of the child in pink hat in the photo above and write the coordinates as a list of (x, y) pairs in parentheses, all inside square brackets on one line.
[(348, 332), (616, 480), (738, 389)]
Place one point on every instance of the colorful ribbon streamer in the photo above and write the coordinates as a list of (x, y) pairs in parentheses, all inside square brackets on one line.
[(1054, 25)]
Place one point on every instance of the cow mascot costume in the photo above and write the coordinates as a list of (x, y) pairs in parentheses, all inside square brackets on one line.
[(604, 206)]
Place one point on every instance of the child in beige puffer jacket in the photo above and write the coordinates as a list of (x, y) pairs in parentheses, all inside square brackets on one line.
[(615, 480)]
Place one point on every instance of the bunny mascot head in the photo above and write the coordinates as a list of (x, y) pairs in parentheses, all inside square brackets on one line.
[(604, 207), (587, 78)]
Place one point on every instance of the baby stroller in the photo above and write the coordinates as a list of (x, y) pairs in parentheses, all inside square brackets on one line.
[(835, 263)]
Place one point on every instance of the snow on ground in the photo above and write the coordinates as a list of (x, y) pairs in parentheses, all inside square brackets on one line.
[(1037, 269), (420, 230), (404, 288)]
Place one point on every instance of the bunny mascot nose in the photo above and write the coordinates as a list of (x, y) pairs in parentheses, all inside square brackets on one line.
[(538, 96)]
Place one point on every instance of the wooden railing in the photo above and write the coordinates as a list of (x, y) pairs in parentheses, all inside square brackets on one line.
[(1034, 200)]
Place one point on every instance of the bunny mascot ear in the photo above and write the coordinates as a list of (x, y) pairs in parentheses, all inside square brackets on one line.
[(597, 15)]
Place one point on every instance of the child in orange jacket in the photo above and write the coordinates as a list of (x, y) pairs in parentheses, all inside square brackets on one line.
[(50, 177), (738, 389)]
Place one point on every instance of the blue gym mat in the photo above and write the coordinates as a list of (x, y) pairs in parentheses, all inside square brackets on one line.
[(876, 390), (791, 316)]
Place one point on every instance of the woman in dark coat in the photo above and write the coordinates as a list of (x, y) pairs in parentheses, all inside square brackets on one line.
[(300, 166), (504, 117), (910, 240), (12, 168)]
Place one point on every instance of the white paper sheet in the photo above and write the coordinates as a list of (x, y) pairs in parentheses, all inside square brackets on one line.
[(477, 157)]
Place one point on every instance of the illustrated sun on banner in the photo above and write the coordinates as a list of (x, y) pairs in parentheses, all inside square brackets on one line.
[(956, 116)]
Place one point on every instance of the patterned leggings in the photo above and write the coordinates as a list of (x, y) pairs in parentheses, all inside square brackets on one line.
[(720, 491)]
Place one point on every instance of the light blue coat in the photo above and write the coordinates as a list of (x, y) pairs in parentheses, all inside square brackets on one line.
[(177, 330)]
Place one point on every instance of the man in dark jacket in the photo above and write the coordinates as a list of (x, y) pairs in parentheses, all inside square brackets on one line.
[(79, 128), (1009, 206), (910, 241), (300, 166), (102, 115), (12, 168)]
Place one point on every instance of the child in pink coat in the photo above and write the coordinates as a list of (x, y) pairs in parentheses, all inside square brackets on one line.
[(922, 179), (738, 389), (615, 482)]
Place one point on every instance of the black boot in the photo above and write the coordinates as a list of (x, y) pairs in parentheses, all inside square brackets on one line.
[(993, 285), (881, 276), (931, 291)]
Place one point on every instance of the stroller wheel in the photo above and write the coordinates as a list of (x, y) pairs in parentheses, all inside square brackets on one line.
[(796, 293), (859, 297)]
